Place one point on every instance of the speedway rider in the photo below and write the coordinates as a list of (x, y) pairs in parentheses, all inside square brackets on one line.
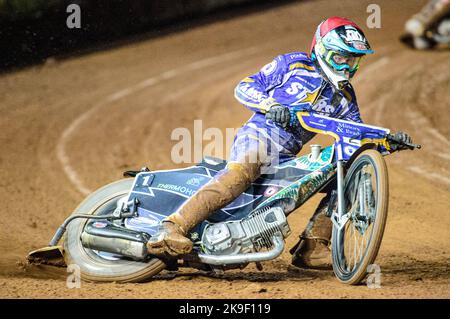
[(319, 82), (435, 12)]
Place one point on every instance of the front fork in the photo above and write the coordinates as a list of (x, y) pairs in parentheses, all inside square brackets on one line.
[(340, 218)]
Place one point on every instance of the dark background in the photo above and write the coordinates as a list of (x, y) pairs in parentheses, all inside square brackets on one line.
[(33, 30)]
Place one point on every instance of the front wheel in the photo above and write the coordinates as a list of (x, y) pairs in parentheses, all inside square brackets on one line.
[(366, 193), (98, 266)]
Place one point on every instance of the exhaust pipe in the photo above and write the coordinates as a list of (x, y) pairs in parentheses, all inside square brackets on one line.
[(132, 249), (221, 260), (116, 240), (132, 244)]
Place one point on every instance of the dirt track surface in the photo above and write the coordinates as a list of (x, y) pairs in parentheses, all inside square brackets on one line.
[(70, 127)]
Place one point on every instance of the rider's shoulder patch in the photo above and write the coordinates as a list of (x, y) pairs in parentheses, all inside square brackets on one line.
[(270, 68)]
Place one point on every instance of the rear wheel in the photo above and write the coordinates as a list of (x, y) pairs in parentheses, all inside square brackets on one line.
[(96, 266), (355, 246)]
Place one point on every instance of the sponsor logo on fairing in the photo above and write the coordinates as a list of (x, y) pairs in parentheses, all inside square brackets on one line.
[(349, 150), (177, 188), (348, 129), (194, 181)]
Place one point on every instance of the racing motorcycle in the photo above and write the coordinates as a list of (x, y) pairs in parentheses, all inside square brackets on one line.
[(107, 233), (437, 34)]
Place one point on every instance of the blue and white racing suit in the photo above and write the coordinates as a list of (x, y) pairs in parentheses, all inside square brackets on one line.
[(292, 80)]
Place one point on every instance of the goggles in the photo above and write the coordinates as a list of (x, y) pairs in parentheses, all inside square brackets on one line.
[(343, 62)]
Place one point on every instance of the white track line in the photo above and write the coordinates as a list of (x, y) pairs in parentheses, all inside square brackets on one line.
[(67, 133), (430, 175), (444, 156), (438, 135), (167, 75), (61, 150)]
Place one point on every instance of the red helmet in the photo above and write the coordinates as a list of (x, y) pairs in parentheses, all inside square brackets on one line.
[(338, 46)]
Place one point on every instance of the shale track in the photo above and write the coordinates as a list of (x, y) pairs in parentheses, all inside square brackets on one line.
[(68, 127)]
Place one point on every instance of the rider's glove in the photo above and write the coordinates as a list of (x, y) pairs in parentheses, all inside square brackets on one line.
[(279, 114), (400, 138)]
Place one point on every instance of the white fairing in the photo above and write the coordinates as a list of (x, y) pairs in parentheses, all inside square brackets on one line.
[(334, 76)]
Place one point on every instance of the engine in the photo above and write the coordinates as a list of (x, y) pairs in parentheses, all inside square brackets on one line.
[(249, 234)]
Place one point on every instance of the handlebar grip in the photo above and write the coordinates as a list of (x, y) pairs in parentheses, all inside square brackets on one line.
[(412, 146)]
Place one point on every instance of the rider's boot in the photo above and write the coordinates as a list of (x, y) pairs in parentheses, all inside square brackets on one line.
[(312, 250), (430, 14), (226, 186)]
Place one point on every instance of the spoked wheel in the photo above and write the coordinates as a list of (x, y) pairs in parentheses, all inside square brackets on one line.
[(100, 266), (355, 246)]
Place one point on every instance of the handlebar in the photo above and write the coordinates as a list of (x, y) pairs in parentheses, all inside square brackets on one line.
[(389, 137), (411, 146)]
